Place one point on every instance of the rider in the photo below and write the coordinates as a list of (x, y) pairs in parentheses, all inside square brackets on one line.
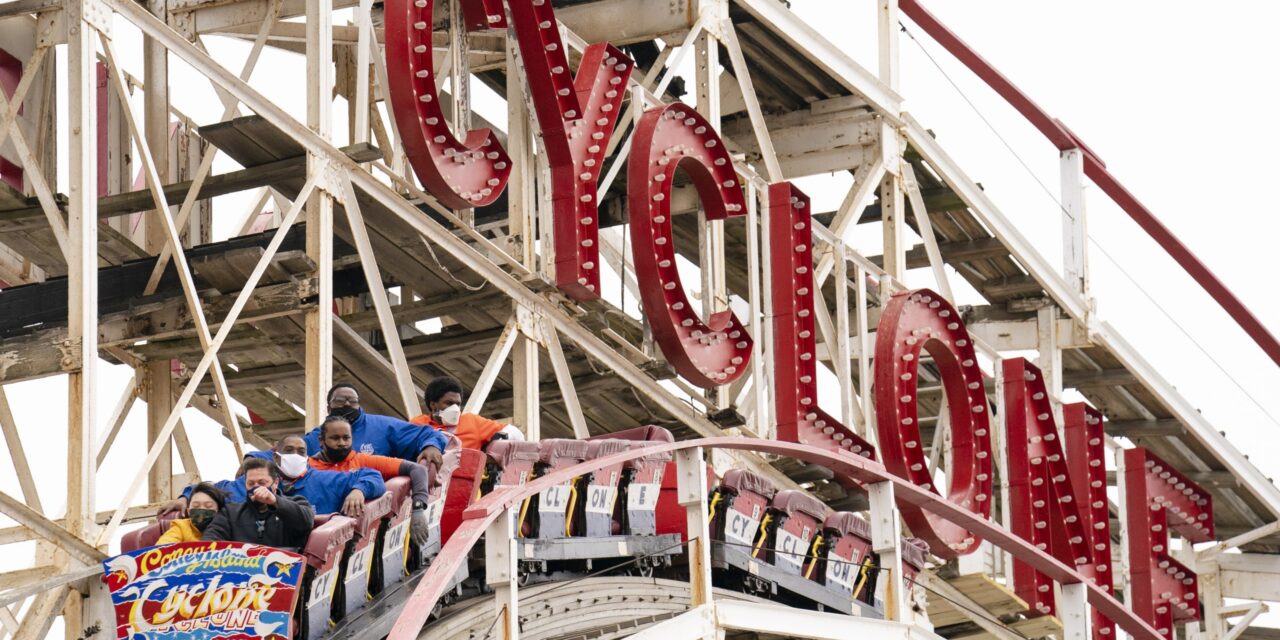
[(443, 397), (380, 435), (336, 455)]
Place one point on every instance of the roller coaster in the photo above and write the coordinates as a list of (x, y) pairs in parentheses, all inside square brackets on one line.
[(737, 424)]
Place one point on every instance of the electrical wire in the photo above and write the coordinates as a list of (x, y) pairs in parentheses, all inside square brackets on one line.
[(986, 122), (1093, 240)]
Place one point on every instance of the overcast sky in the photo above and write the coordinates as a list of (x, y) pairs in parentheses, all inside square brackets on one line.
[(1177, 98)]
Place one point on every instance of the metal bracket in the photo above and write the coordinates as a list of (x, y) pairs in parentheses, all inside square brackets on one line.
[(529, 323), (51, 28), (329, 179), (182, 22), (70, 350), (892, 142), (97, 13)]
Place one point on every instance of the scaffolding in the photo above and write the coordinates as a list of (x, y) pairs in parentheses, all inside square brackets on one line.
[(345, 256)]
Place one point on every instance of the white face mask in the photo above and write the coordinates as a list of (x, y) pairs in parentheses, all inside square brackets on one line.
[(293, 465), (451, 415)]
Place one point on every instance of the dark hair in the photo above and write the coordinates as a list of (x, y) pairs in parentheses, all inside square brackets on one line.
[(259, 463), (437, 388), (329, 397), (219, 498), (281, 439), (331, 419)]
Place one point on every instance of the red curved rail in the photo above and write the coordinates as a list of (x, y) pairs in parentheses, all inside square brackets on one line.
[(1064, 139), (845, 466)]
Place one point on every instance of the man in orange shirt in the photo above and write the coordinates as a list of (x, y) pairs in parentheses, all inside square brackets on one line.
[(443, 397), (336, 455)]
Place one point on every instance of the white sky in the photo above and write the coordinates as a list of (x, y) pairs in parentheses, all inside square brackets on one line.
[(1177, 98)]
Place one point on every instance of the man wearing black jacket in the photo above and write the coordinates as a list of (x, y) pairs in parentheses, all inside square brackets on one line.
[(266, 517)]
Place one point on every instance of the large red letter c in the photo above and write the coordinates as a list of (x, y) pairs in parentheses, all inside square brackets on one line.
[(708, 353), (916, 321), (461, 174)]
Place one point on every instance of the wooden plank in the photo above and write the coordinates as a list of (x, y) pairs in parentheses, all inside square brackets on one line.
[(1010, 287), (1103, 378), (1038, 627), (1142, 428), (952, 252), (256, 176)]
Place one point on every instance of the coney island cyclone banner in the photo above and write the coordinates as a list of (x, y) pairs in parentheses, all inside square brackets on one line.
[(204, 591)]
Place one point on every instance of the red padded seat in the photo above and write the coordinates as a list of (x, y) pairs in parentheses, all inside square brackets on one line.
[(601, 448), (148, 535), (464, 486), (392, 547), (329, 536), (597, 509), (915, 552), (844, 523), (509, 452), (740, 480), (798, 517), (510, 462), (649, 433), (670, 514), (559, 453), (746, 497), (848, 546), (325, 550), (400, 489), (794, 502), (360, 558), (551, 514)]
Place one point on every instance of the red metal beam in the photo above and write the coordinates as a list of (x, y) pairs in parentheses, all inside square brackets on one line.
[(847, 467), (1063, 138)]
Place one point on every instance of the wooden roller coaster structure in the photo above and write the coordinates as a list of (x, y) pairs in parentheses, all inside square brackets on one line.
[(518, 255)]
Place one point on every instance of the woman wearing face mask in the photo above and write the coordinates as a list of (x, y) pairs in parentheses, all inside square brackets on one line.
[(206, 501), (443, 397)]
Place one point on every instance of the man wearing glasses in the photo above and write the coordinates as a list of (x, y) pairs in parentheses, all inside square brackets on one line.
[(380, 435)]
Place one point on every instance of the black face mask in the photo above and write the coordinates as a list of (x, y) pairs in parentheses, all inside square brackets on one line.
[(201, 517), (346, 413), (336, 455)]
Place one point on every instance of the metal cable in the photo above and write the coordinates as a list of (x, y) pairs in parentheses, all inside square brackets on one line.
[(1093, 240)]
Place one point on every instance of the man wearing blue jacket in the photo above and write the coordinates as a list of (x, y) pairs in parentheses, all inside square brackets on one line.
[(327, 491), (380, 435)]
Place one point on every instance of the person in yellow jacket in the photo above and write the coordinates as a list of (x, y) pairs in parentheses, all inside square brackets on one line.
[(206, 501)]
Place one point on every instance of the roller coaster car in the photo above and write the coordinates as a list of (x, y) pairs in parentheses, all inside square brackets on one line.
[(640, 486), (148, 535), (549, 515), (348, 559), (392, 549), (326, 549), (915, 552), (848, 564), (352, 589), (602, 515), (442, 479), (784, 545)]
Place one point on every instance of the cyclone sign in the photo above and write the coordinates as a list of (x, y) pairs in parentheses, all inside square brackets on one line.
[(204, 591)]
